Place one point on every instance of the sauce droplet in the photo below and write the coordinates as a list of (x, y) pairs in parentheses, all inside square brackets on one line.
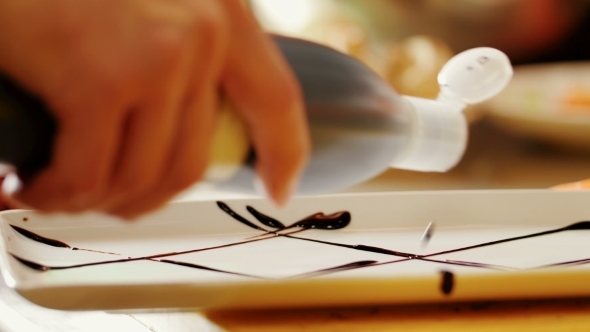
[(447, 282)]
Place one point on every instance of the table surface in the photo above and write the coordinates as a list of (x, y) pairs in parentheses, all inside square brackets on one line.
[(494, 160), (16, 315)]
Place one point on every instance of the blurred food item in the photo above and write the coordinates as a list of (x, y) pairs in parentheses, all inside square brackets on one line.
[(580, 185), (339, 32), (410, 64), (524, 29), (293, 17), (577, 99), (413, 65), (550, 103)]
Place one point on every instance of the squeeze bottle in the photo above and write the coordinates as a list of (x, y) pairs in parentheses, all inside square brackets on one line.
[(359, 125)]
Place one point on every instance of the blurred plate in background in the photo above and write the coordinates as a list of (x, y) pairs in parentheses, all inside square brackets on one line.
[(549, 102)]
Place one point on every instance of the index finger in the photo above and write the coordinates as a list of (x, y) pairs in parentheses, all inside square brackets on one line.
[(260, 83)]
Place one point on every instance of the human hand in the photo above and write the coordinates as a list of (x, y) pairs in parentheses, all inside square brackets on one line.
[(134, 86)]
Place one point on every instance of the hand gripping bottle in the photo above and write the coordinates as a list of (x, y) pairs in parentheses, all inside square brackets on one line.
[(359, 125)]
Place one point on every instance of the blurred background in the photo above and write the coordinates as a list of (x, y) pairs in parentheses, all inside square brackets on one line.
[(536, 134)]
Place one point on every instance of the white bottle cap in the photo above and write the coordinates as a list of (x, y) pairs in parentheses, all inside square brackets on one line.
[(438, 136)]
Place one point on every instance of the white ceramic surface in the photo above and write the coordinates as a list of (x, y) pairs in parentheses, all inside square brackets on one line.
[(277, 265)]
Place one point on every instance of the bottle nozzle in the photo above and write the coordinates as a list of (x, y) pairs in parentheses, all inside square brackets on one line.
[(439, 135), (474, 76)]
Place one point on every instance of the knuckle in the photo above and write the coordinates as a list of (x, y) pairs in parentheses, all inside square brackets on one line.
[(211, 30), (105, 92), (71, 191), (212, 25), (201, 28), (184, 179), (89, 184), (135, 184), (168, 44)]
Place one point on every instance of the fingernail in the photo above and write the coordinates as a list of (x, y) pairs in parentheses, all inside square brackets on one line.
[(279, 197), (288, 191)]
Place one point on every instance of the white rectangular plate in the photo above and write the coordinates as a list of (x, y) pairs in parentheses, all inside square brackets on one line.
[(194, 254)]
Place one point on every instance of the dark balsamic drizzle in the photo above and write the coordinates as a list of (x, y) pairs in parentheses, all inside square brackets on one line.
[(39, 238), (40, 267), (264, 219), (201, 267), (336, 220), (333, 221), (32, 265), (239, 218), (471, 264), (360, 247), (344, 267), (320, 221), (175, 253), (576, 262), (53, 242), (343, 218), (582, 225), (447, 282), (43, 268)]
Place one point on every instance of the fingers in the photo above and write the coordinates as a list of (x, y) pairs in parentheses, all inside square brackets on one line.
[(129, 152), (189, 158), (193, 129), (144, 153), (258, 80), (82, 158)]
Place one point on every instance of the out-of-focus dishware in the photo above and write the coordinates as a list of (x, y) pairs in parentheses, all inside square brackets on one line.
[(365, 250), (549, 102)]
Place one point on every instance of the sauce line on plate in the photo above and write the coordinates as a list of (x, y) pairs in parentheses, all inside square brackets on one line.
[(318, 220)]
